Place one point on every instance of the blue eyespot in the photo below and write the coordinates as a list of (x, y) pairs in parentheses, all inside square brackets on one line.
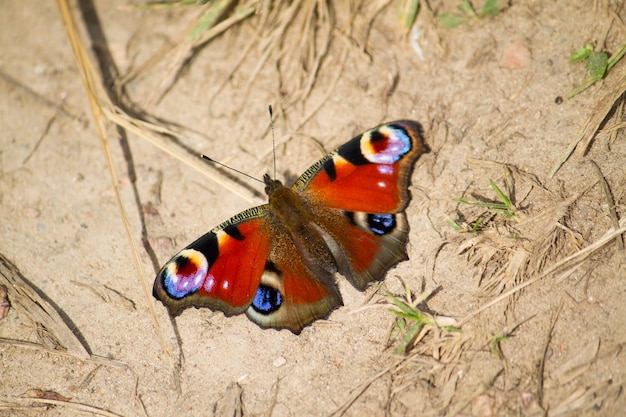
[(267, 300), (185, 273), (381, 224), (387, 145)]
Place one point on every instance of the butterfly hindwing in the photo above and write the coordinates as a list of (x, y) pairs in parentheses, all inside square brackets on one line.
[(365, 245), (291, 294)]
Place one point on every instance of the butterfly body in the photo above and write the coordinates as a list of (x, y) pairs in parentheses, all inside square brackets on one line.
[(277, 262)]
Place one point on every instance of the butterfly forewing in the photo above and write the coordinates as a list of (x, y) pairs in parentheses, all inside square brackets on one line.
[(369, 173), (220, 270)]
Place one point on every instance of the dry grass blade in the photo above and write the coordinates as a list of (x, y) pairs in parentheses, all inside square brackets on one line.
[(73, 407), (271, 42), (610, 202), (358, 391), (508, 252), (5, 305), (585, 400), (440, 346), (577, 364), (45, 394), (25, 296), (204, 29), (108, 295), (147, 130), (331, 89), (569, 262), (462, 404), (589, 130), (233, 406), (305, 52), (95, 359), (96, 100), (542, 364), (298, 36)]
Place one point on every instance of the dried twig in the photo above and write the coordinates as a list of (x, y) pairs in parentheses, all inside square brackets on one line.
[(98, 101), (25, 296), (29, 403), (610, 203), (542, 364)]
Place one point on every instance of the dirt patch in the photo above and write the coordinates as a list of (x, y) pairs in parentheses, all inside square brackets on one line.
[(537, 291)]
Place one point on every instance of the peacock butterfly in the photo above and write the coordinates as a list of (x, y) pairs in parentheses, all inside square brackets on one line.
[(276, 262)]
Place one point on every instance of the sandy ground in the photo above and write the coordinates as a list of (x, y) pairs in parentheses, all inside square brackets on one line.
[(485, 94)]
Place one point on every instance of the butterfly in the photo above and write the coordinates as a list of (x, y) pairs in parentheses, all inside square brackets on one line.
[(277, 262)]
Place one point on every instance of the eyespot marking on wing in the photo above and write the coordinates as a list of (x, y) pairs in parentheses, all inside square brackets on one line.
[(267, 300), (268, 297), (185, 273), (385, 145), (378, 224), (381, 224)]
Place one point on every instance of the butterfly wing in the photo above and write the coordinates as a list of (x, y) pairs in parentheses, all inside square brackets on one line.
[(291, 295), (358, 195), (222, 269), (246, 264)]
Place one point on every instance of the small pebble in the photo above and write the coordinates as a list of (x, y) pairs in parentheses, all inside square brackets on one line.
[(516, 55), (483, 406), (41, 69), (280, 361), (31, 212)]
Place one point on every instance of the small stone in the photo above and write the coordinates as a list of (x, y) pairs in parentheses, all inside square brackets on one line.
[(280, 361), (529, 400), (516, 55), (483, 406), (41, 69), (31, 212)]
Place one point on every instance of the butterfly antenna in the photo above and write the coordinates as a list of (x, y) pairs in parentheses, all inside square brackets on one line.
[(273, 140), (213, 161)]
